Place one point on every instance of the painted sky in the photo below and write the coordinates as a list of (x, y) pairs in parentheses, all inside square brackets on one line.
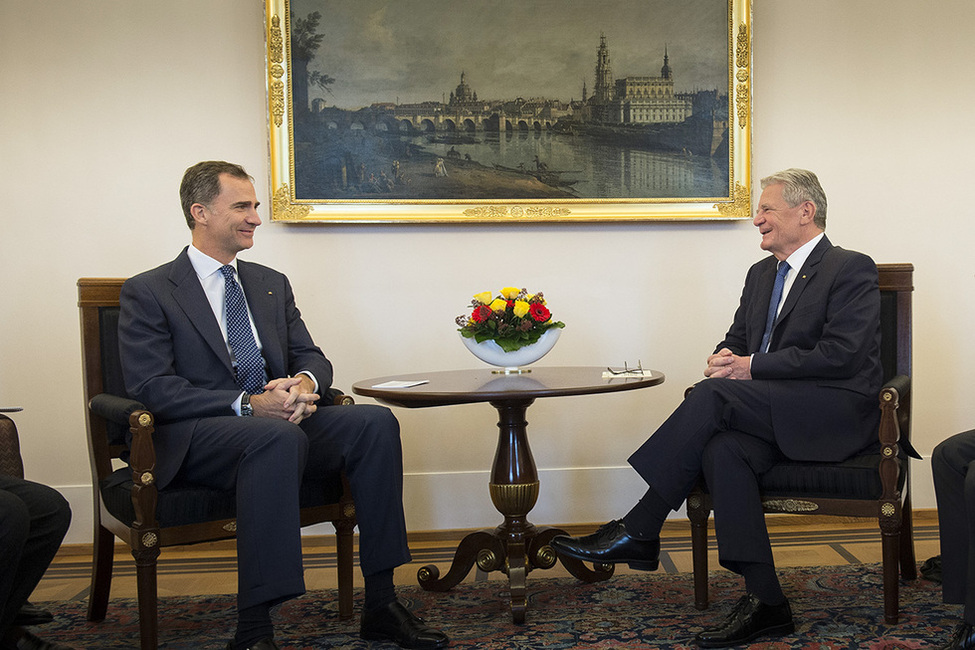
[(410, 51)]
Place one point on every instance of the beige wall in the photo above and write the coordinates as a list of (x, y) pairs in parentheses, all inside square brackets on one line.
[(104, 104)]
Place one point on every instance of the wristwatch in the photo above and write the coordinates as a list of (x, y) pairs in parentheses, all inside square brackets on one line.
[(246, 409)]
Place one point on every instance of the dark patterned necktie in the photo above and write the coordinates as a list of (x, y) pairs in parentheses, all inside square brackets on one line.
[(773, 305), (248, 362)]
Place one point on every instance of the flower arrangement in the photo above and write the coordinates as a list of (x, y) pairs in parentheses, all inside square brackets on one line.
[(513, 319)]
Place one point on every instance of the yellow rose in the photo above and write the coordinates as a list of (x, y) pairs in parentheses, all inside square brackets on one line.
[(521, 308), (499, 305), (510, 293), (484, 297)]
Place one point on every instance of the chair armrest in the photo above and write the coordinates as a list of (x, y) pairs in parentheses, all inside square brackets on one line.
[(335, 397), (900, 383), (895, 399), (113, 408)]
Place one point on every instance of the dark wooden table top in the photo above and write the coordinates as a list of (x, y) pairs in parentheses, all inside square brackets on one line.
[(483, 385)]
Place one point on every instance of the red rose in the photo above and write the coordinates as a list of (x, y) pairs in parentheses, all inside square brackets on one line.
[(539, 312), (480, 313)]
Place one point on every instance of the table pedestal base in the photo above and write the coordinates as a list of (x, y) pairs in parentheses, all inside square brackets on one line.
[(516, 547), (514, 553)]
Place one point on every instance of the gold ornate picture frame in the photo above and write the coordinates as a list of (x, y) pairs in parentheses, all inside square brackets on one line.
[(452, 111)]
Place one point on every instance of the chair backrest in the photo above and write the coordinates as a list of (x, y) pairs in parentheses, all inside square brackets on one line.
[(98, 301), (11, 463), (896, 289)]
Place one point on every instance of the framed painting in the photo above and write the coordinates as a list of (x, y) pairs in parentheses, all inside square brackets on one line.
[(452, 111)]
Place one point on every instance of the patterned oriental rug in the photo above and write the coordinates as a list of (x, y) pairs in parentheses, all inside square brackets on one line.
[(835, 607)]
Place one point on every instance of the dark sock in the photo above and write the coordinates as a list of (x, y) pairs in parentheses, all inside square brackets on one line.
[(760, 580), (379, 589), (253, 624), (647, 517)]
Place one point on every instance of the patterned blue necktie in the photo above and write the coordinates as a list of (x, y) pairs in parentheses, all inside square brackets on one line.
[(773, 305), (248, 362)]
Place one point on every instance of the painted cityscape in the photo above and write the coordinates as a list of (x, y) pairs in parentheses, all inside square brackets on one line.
[(557, 101)]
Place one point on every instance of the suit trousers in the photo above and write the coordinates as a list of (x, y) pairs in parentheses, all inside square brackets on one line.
[(722, 429), (953, 464), (266, 460), (34, 519)]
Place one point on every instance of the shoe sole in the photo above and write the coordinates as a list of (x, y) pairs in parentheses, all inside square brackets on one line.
[(778, 630), (636, 565)]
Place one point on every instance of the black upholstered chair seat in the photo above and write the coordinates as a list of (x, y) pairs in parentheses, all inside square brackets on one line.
[(855, 478), (184, 505)]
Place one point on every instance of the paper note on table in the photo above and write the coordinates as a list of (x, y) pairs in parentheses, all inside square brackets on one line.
[(400, 384)]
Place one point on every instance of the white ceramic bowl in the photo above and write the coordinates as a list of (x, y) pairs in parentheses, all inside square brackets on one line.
[(490, 352)]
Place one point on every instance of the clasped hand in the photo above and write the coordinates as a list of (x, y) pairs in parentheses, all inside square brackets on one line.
[(288, 398), (724, 363)]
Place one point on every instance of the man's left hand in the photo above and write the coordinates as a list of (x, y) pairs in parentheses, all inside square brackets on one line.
[(725, 364)]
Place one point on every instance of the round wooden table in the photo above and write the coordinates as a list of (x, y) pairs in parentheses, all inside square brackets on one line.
[(516, 547)]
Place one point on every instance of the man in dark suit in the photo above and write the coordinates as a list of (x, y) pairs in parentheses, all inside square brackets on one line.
[(800, 362), (953, 464), (217, 349), (34, 519)]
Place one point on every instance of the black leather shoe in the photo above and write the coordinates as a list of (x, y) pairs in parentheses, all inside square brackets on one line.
[(267, 643), (611, 544), (962, 639), (31, 614), (20, 639), (931, 569), (750, 618), (396, 623)]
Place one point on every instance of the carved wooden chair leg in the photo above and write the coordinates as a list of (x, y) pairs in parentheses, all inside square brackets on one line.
[(101, 573)]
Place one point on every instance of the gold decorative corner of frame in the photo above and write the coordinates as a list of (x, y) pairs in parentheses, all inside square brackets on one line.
[(283, 208), (738, 207)]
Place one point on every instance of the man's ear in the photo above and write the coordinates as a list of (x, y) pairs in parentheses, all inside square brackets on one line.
[(198, 210), (808, 213)]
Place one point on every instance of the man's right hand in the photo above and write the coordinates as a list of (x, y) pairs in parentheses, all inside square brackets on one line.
[(285, 399)]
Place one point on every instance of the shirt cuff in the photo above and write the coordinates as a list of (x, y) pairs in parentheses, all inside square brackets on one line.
[(310, 376), (236, 405)]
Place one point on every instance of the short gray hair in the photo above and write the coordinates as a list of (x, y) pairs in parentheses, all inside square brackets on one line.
[(801, 185)]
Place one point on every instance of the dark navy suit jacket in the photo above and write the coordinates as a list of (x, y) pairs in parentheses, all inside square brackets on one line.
[(175, 359), (823, 361)]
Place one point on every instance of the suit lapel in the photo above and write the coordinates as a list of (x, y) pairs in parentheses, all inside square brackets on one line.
[(190, 296), (263, 303), (804, 275)]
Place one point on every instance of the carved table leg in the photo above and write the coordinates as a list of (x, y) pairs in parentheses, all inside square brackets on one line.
[(483, 547), (516, 546), (544, 557)]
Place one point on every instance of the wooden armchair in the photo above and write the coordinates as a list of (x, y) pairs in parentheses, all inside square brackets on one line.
[(876, 485), (127, 503)]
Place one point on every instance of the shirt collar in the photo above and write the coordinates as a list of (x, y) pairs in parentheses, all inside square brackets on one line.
[(801, 254), (203, 264)]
